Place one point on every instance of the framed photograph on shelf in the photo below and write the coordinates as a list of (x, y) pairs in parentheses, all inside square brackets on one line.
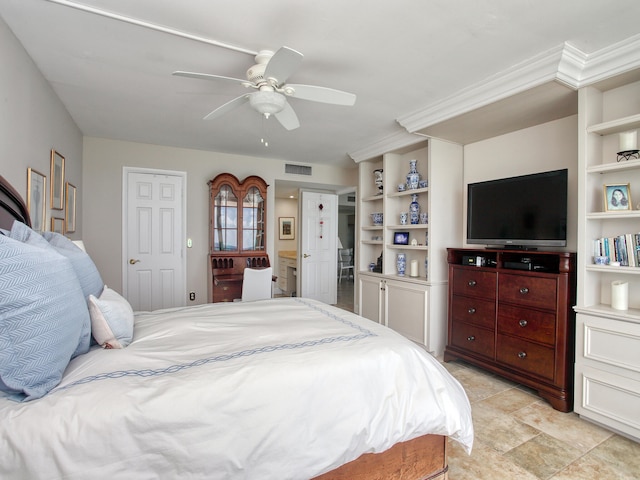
[(617, 197), (36, 198), (401, 238), (287, 228), (57, 181), (70, 208), (57, 225)]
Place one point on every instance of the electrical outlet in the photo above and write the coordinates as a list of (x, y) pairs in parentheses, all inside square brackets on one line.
[(192, 296)]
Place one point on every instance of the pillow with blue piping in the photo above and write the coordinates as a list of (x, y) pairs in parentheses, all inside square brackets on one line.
[(42, 316)]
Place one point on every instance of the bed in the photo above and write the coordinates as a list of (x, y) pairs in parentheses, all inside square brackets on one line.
[(287, 388)]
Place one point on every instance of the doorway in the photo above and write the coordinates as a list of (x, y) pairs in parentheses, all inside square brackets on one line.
[(346, 234)]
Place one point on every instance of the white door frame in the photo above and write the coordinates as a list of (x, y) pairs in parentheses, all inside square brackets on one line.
[(182, 282)]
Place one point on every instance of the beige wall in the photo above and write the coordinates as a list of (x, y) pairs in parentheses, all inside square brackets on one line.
[(103, 162), (32, 122), (550, 146)]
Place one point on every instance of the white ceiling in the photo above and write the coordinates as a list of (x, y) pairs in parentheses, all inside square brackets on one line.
[(402, 59)]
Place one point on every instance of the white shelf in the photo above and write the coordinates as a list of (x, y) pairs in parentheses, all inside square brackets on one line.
[(408, 247), (411, 226), (373, 198), (610, 215), (616, 126), (613, 215), (610, 269), (372, 242), (606, 311), (373, 227), (408, 193), (614, 167)]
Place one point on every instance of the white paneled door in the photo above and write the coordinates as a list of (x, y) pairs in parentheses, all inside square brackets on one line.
[(319, 245), (153, 239)]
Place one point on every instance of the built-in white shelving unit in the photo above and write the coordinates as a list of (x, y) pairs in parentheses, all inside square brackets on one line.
[(607, 373), (414, 306)]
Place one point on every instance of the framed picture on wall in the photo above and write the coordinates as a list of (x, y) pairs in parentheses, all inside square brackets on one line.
[(36, 198), (57, 225), (57, 181), (287, 228), (70, 208)]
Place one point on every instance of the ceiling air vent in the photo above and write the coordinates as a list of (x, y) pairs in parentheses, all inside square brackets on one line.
[(297, 169), (351, 199)]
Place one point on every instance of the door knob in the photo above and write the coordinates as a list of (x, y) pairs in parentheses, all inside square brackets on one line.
[(305, 255), (133, 262)]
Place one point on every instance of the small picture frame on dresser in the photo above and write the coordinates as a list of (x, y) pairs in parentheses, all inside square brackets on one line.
[(617, 197)]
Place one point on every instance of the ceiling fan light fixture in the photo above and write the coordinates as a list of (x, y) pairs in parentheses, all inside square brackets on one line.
[(267, 102)]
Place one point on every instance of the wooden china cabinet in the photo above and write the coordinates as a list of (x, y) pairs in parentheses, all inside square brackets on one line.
[(237, 233)]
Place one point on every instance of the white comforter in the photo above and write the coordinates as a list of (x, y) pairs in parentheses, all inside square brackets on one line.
[(276, 389)]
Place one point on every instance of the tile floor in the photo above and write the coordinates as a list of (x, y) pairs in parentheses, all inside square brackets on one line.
[(519, 436)]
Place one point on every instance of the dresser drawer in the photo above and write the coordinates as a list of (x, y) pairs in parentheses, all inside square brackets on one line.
[(473, 339), (473, 310), (526, 356), (526, 323), (476, 283), (528, 291)]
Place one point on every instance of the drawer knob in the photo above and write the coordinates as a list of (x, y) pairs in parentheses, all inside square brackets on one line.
[(472, 283), (471, 338), (524, 290), (472, 310), (522, 355), (523, 323)]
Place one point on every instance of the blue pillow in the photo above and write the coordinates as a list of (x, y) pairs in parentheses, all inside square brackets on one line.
[(87, 272), (42, 314), (83, 266)]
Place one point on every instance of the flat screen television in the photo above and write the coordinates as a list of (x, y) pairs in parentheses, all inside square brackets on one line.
[(527, 212)]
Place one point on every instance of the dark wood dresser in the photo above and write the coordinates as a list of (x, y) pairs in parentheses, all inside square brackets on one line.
[(511, 313)]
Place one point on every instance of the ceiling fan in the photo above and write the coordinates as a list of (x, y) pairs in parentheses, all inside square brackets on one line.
[(268, 77)]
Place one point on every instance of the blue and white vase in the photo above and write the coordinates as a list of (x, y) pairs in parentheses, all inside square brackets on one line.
[(401, 263), (426, 267), (413, 177), (414, 210)]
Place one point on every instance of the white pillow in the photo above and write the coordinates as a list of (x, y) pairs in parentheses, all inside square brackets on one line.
[(111, 319)]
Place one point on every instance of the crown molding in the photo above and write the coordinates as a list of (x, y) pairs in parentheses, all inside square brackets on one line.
[(565, 64), (535, 71), (387, 144), (610, 61)]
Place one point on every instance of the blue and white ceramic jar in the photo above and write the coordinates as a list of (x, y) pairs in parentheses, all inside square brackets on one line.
[(414, 210), (413, 177), (401, 263)]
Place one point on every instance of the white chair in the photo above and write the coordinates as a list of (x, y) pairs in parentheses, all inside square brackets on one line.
[(345, 262), (256, 284)]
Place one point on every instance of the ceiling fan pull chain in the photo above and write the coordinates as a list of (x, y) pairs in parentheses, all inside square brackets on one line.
[(264, 139)]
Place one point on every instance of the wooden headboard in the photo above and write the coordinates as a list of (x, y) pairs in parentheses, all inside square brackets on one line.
[(12, 207)]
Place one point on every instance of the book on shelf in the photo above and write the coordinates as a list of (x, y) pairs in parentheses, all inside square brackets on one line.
[(624, 249)]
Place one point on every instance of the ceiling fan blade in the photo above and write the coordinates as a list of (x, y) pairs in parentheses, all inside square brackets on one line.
[(206, 76), (227, 107), (283, 63), (320, 94), (287, 117)]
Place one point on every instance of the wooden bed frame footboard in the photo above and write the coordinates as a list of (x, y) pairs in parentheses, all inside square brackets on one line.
[(423, 458)]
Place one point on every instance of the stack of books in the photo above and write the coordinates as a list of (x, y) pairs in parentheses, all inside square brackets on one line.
[(624, 249)]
